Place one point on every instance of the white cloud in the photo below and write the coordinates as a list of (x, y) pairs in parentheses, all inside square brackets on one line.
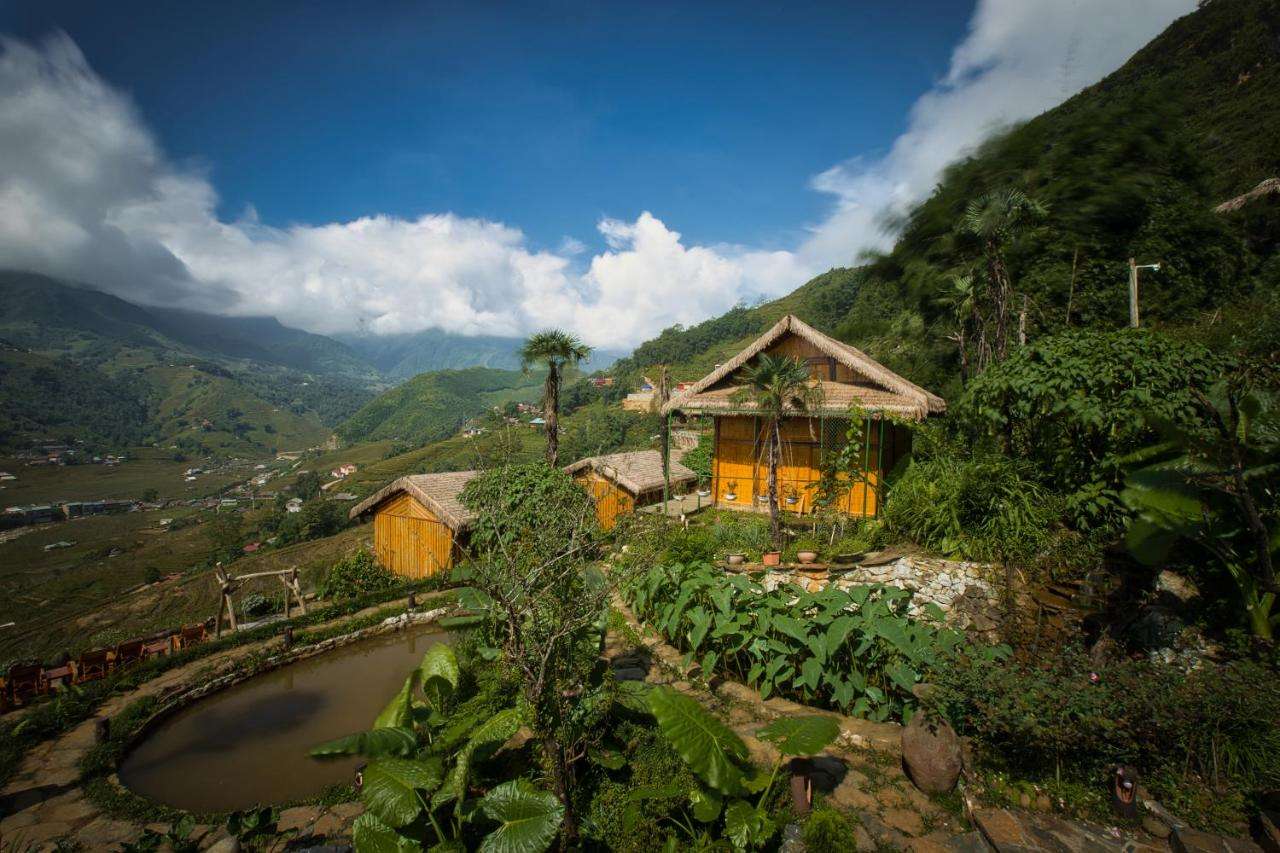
[(86, 193), (1019, 58)]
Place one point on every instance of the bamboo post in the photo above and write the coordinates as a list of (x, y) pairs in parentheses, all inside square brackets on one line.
[(1133, 293)]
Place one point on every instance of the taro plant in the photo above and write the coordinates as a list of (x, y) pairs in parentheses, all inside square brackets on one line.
[(859, 650), (731, 797), (418, 783)]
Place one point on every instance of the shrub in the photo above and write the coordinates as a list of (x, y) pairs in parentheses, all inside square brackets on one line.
[(829, 831), (1064, 718), (984, 508), (356, 575), (539, 507), (256, 604), (1077, 403)]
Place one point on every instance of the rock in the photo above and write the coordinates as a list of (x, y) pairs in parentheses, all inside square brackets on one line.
[(225, 845), (1156, 826), (890, 798), (1187, 840), (1043, 803), (630, 673), (850, 796), (296, 819), (1266, 832), (1174, 584), (931, 753), (792, 839), (903, 820), (862, 840)]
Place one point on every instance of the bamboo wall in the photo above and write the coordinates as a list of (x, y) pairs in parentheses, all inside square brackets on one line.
[(410, 540), (740, 466), (611, 499)]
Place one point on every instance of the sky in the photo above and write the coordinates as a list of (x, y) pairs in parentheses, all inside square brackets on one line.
[(497, 168)]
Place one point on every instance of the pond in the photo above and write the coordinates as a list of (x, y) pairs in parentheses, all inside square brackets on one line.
[(248, 744)]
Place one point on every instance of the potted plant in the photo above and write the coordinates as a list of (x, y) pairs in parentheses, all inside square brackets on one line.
[(791, 497), (771, 558), (732, 493), (806, 550)]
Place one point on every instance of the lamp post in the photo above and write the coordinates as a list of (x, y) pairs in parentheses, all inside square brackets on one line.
[(1134, 266)]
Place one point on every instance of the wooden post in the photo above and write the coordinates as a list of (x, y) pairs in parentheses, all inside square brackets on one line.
[(1133, 292)]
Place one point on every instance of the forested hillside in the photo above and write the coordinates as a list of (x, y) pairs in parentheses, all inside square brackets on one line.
[(1130, 167), (432, 406)]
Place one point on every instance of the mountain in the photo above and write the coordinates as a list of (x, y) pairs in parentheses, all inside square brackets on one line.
[(58, 317), (405, 355), (432, 406), (1133, 166)]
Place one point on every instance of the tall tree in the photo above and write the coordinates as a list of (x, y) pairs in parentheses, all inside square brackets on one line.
[(996, 219), (556, 350), (779, 386)]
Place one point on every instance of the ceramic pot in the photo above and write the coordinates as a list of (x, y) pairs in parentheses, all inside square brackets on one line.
[(736, 559), (807, 557), (730, 496), (772, 558)]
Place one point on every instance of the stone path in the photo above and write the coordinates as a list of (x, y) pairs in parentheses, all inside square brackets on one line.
[(43, 803)]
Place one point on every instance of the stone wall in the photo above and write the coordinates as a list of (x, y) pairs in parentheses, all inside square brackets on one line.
[(965, 591)]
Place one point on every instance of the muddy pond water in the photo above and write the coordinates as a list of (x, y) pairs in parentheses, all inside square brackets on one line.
[(248, 744)]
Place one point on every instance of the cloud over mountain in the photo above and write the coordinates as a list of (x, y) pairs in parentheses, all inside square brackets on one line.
[(87, 193)]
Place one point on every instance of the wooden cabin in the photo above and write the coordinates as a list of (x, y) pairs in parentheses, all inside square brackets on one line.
[(621, 482), (850, 384), (419, 524)]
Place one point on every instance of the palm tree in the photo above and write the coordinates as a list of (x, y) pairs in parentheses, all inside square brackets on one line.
[(779, 386), (963, 302), (556, 349), (996, 219)]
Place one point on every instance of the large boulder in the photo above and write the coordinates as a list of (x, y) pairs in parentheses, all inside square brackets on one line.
[(931, 753)]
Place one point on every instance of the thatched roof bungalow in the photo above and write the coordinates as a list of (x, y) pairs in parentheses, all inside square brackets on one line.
[(419, 523), (620, 482), (847, 380)]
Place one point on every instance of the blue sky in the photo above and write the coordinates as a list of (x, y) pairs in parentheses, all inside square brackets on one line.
[(489, 168), (716, 115)]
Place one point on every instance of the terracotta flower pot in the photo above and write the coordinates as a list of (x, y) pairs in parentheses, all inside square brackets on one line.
[(772, 558), (736, 559), (807, 557)]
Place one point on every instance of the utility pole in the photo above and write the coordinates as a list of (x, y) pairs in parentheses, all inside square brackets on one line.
[(1134, 266)]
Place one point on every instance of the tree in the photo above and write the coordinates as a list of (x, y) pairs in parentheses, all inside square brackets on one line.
[(545, 608), (556, 349), (1216, 486), (778, 386), (996, 219)]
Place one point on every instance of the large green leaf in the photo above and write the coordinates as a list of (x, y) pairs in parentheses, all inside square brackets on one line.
[(807, 735), (377, 743), (746, 826), (529, 818), (706, 804), (438, 673), (399, 711), (373, 836), (391, 788), (708, 746), (496, 730)]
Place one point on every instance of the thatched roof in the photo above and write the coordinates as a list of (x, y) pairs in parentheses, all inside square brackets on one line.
[(881, 390), (437, 492), (637, 471), (1271, 186)]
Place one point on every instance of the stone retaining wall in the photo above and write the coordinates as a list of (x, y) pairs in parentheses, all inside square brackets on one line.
[(965, 591)]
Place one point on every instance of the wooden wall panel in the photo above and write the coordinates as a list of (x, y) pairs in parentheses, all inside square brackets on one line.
[(610, 499), (410, 541)]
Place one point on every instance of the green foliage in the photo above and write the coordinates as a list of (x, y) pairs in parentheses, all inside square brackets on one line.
[(316, 519), (827, 830), (356, 575), (1217, 725), (1216, 486), (979, 508), (432, 406), (606, 429), (856, 650), (531, 506), (1077, 403), (528, 818), (698, 460)]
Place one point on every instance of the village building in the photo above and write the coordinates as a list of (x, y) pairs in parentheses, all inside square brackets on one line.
[(619, 483), (849, 385), (419, 524)]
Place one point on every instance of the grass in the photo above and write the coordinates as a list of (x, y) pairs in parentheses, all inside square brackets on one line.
[(147, 468), (70, 599)]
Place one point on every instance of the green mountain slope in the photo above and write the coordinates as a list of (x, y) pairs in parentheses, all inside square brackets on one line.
[(1130, 167), (53, 400), (432, 406), (403, 356)]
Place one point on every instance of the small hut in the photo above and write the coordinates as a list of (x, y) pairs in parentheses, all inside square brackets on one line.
[(621, 482), (849, 384), (419, 524)]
